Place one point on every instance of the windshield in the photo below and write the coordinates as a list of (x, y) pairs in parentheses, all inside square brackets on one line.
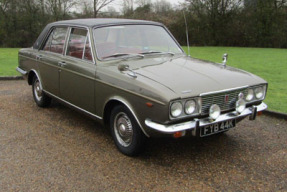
[(115, 41)]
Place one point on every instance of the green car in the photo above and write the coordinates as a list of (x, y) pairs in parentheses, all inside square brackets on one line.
[(133, 77)]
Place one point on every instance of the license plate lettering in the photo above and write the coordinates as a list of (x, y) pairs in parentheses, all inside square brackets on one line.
[(222, 126), (216, 128)]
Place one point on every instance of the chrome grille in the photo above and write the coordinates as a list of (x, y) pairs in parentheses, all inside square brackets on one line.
[(221, 101)]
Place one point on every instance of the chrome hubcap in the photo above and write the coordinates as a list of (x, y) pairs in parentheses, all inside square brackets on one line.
[(38, 90), (123, 129)]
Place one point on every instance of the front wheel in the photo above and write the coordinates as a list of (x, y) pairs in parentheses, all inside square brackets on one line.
[(126, 132), (41, 99)]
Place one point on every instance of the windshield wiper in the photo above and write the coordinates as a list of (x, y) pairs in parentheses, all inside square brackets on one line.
[(123, 54), (157, 52)]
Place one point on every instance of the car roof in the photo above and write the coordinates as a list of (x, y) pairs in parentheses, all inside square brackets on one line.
[(92, 22)]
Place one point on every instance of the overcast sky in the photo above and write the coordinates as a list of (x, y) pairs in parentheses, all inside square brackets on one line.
[(118, 3)]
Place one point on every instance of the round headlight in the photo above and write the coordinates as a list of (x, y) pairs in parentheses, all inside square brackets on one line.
[(214, 111), (240, 105), (176, 109), (259, 92), (189, 107), (250, 95)]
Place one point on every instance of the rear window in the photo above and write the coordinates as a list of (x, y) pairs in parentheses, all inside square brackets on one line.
[(56, 41)]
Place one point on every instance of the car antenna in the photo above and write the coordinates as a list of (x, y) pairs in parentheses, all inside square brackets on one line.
[(186, 31)]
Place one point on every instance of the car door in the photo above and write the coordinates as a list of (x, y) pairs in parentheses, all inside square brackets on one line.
[(77, 76), (49, 57)]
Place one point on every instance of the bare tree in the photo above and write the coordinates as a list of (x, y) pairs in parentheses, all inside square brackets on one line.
[(111, 12), (128, 7), (162, 6), (100, 4), (142, 3), (3, 5), (60, 8), (87, 10)]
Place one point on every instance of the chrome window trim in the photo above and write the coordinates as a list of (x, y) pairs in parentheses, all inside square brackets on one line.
[(47, 37), (88, 35), (51, 34), (90, 43), (50, 53), (78, 59), (66, 39)]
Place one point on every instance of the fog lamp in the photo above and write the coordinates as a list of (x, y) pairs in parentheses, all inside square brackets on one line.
[(240, 105), (214, 111)]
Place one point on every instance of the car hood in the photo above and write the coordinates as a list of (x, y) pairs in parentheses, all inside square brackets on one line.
[(187, 76)]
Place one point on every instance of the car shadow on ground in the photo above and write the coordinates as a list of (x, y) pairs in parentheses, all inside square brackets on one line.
[(190, 147), (155, 148)]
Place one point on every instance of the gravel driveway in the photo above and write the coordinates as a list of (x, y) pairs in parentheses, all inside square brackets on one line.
[(58, 149)]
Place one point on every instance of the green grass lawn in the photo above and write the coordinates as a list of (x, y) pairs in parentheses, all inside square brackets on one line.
[(270, 64), (8, 61)]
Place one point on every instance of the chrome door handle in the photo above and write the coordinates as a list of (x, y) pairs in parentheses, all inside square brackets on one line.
[(62, 63)]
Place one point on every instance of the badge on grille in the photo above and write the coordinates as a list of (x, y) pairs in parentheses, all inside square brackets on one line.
[(226, 98)]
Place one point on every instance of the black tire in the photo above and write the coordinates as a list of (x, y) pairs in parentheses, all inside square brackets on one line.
[(126, 132), (41, 99)]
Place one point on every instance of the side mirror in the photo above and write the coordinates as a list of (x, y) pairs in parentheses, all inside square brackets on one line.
[(123, 67)]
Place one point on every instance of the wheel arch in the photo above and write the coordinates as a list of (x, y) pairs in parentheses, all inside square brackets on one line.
[(115, 101), (31, 75)]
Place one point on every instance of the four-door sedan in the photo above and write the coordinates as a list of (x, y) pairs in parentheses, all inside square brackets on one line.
[(134, 77)]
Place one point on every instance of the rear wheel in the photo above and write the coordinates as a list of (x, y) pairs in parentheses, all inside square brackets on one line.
[(41, 99), (126, 132)]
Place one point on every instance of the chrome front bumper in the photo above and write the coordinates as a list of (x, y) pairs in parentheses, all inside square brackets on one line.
[(250, 111)]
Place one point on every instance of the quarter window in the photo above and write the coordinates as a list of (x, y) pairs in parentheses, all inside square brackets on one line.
[(88, 53), (79, 44), (56, 40)]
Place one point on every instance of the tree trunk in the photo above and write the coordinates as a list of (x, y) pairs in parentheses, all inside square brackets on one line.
[(95, 9)]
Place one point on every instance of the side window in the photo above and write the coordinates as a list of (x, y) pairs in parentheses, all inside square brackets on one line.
[(88, 52), (79, 44), (56, 40)]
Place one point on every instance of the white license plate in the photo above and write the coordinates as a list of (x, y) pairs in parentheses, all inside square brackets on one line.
[(216, 128)]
